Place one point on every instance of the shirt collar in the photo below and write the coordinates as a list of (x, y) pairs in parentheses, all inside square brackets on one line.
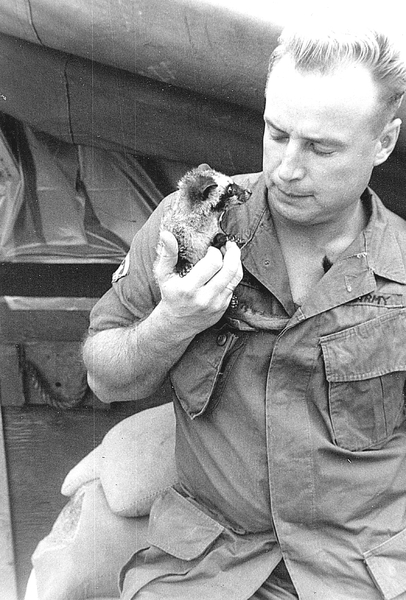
[(252, 226), (242, 221), (385, 256), (376, 251)]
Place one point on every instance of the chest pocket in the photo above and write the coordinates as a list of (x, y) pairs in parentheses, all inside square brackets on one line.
[(365, 369), (200, 375)]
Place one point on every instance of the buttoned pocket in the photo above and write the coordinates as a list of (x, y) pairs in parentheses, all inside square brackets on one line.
[(386, 565), (204, 368), (180, 528), (365, 368)]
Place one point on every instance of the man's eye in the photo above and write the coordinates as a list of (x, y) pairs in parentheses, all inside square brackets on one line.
[(320, 150), (278, 137)]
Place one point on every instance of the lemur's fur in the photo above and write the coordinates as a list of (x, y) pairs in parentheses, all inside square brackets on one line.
[(195, 214)]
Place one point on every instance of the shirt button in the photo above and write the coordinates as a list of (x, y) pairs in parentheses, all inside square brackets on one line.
[(266, 262), (221, 339)]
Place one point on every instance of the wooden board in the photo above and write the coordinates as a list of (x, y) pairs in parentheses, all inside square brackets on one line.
[(8, 587)]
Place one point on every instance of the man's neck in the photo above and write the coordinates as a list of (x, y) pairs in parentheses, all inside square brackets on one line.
[(326, 238), (305, 248)]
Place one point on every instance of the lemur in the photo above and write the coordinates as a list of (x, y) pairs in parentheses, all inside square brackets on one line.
[(194, 218), (195, 215)]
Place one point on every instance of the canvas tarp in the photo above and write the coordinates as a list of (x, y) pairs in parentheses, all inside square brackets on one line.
[(58, 201), (89, 95), (177, 80), (192, 44)]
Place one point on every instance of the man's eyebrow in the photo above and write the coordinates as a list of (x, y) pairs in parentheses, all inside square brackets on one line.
[(326, 141), (269, 122)]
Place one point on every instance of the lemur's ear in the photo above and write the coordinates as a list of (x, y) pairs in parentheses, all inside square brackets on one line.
[(205, 183), (197, 184), (203, 167)]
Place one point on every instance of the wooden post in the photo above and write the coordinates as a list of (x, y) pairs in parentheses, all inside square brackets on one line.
[(8, 586)]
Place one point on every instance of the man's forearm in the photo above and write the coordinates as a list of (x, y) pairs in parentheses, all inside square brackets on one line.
[(129, 363)]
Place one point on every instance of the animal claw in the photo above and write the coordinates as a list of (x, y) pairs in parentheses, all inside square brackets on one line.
[(234, 238), (183, 271), (234, 301)]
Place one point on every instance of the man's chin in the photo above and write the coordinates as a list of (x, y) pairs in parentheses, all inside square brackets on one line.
[(298, 209)]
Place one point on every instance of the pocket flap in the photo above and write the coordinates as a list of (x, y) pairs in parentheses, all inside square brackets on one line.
[(179, 528), (386, 564), (371, 349), (196, 374)]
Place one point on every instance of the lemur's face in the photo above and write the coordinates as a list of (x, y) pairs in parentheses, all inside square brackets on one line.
[(223, 193), (209, 192)]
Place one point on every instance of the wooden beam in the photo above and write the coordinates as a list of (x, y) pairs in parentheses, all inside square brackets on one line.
[(11, 386)]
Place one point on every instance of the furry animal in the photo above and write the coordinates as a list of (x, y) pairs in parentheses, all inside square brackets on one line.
[(195, 215)]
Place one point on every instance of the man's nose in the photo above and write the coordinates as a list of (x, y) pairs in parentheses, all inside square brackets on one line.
[(291, 166)]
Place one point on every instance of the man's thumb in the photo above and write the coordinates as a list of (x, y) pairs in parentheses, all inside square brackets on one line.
[(167, 255)]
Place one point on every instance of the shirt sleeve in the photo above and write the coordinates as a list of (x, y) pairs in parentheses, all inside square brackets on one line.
[(134, 292)]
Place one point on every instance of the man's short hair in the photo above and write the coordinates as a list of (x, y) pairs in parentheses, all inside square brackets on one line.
[(315, 48)]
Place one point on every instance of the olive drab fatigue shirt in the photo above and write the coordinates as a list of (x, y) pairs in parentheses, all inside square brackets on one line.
[(291, 434)]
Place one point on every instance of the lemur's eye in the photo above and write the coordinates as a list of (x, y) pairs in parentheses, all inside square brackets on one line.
[(230, 189)]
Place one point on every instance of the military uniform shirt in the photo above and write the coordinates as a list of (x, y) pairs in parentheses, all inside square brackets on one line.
[(291, 437)]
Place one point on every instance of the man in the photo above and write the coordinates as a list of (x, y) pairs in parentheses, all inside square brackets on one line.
[(291, 434)]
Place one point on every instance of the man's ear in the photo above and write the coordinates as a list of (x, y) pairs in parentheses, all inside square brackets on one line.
[(387, 141)]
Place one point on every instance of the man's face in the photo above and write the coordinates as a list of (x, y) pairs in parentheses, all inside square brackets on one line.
[(320, 142)]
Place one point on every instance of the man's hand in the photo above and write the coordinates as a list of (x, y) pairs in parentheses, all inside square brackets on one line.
[(127, 363), (198, 300)]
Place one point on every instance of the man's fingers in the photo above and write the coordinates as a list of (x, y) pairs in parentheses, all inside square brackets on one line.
[(205, 268), (215, 276), (167, 255), (231, 273), (218, 273)]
